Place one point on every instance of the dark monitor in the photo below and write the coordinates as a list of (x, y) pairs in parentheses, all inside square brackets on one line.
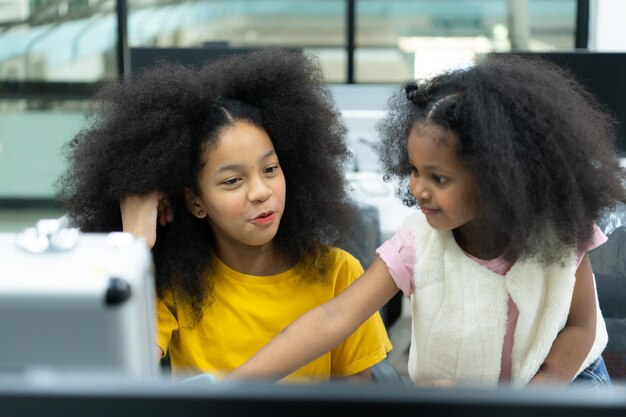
[(603, 74), (143, 58), (130, 398)]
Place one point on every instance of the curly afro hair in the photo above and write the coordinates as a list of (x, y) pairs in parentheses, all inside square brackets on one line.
[(148, 134), (541, 147)]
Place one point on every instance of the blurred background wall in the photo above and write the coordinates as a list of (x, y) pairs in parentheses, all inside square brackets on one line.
[(55, 53)]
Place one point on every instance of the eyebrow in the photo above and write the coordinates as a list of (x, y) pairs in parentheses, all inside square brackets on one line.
[(435, 168), (438, 168), (229, 167)]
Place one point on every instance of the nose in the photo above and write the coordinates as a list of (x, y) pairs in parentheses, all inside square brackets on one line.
[(258, 189), (420, 189)]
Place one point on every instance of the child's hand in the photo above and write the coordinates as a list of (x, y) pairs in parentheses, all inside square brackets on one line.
[(140, 214), (439, 383), (542, 378), (546, 375)]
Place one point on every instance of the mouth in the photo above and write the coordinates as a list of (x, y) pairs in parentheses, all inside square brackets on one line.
[(427, 210), (266, 217)]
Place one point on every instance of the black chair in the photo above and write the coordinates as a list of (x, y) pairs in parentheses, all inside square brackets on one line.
[(609, 267)]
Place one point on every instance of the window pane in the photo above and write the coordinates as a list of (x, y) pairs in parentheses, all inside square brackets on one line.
[(52, 40), (403, 39), (314, 25)]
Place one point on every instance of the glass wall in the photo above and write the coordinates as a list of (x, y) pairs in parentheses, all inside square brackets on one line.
[(398, 40), (77, 40)]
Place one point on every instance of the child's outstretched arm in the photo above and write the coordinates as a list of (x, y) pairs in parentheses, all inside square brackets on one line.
[(574, 342), (322, 328), (140, 214)]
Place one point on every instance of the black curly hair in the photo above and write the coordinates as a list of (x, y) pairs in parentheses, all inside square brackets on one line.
[(148, 134), (541, 147)]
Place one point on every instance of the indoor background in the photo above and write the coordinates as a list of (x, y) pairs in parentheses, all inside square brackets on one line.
[(55, 53)]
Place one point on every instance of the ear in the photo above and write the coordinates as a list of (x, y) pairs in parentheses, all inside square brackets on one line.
[(194, 204)]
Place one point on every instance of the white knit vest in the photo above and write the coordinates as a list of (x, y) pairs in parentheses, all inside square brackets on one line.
[(460, 310)]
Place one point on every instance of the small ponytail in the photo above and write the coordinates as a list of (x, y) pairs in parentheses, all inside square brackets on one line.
[(410, 89)]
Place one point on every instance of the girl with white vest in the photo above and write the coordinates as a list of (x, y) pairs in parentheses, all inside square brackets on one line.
[(510, 162)]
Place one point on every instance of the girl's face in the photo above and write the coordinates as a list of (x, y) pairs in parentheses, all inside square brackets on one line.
[(445, 190), (242, 188)]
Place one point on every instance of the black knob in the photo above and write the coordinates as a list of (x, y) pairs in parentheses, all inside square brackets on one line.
[(118, 291)]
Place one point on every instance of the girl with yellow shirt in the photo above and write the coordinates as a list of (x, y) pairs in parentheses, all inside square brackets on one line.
[(233, 174)]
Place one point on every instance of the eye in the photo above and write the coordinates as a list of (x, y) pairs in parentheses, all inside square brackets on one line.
[(271, 170), (438, 179), (413, 170), (231, 181)]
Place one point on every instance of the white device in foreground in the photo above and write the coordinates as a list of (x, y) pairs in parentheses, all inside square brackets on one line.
[(73, 302)]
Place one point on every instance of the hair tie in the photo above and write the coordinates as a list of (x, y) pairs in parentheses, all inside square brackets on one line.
[(410, 89), (450, 111)]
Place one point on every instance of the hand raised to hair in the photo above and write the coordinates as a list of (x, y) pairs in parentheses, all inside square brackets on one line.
[(140, 214)]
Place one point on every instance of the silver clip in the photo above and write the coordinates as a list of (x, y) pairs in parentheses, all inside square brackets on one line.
[(48, 235)]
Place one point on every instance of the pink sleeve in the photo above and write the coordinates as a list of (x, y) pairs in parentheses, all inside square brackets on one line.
[(597, 239), (398, 253)]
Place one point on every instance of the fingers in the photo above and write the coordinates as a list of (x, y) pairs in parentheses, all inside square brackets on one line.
[(165, 211), (143, 204), (142, 213)]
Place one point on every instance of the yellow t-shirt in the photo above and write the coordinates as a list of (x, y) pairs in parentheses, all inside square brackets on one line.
[(250, 310)]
